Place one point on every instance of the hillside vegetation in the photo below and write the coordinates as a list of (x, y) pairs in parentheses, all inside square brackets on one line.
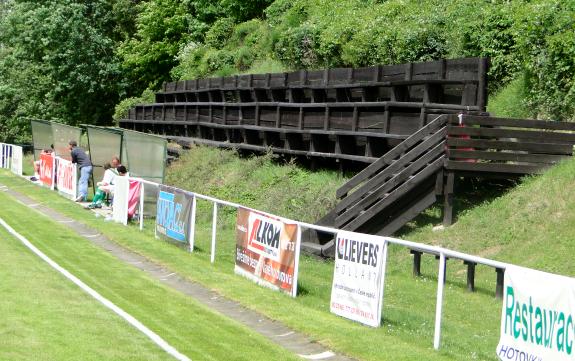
[(74, 61)]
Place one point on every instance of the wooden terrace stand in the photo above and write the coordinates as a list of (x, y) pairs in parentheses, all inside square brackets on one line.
[(412, 130)]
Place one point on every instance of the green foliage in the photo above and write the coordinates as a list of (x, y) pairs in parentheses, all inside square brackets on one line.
[(122, 107), (162, 27), (57, 61), (220, 32), (510, 100), (533, 38)]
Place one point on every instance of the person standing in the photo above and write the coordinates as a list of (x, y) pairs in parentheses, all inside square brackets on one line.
[(80, 157)]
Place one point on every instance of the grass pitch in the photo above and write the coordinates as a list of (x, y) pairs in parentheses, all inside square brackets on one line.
[(46, 317)]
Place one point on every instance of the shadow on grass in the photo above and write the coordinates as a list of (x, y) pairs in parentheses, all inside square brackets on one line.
[(469, 193)]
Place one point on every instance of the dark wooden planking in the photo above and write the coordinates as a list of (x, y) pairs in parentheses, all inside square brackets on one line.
[(390, 156), (455, 154), (496, 167), (401, 190), (408, 214), (380, 190), (548, 137), (518, 123), (429, 146), (532, 147)]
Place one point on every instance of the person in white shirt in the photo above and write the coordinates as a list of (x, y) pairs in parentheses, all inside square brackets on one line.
[(105, 186)]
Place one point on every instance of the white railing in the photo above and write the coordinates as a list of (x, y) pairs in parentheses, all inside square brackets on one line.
[(443, 253)]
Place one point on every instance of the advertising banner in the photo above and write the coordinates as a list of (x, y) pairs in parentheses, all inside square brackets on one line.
[(120, 204), (16, 163), (133, 197), (537, 317), (267, 250), (47, 170), (174, 207), (357, 288), (66, 177), (5, 155)]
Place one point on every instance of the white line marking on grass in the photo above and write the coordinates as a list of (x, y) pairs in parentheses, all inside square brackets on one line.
[(71, 221), (318, 356), (168, 276), (126, 316), (285, 334), (90, 235)]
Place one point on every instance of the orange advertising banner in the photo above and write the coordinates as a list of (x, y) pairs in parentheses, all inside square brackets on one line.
[(267, 250)]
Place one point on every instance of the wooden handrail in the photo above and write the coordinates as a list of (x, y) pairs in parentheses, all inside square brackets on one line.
[(395, 153)]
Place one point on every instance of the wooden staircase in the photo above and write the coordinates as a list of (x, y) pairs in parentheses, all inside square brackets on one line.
[(392, 190)]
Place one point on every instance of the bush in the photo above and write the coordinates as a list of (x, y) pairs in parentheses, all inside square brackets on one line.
[(220, 32), (122, 107)]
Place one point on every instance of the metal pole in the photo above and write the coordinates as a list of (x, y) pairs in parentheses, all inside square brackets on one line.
[(214, 226), (141, 206), (439, 302), (382, 284), (297, 252), (193, 224)]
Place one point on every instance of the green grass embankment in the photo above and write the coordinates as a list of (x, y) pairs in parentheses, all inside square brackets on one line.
[(530, 225)]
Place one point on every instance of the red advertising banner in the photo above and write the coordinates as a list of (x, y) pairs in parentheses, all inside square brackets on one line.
[(47, 169), (267, 250)]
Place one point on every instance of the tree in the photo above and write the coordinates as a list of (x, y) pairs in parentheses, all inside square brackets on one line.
[(57, 60)]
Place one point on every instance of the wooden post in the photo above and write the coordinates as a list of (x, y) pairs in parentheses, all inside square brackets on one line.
[(416, 262), (448, 199), (500, 280), (470, 275), (438, 257)]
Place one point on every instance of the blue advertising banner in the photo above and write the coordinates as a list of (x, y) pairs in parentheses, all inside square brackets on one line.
[(173, 214)]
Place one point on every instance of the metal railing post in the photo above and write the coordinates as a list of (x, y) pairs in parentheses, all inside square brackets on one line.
[(439, 302), (193, 223), (214, 227), (383, 269), (141, 206)]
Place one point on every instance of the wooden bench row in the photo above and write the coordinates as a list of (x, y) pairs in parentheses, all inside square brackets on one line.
[(385, 117), (467, 93), (362, 147), (457, 81)]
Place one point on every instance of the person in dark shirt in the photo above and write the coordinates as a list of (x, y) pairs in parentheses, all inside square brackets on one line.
[(82, 159)]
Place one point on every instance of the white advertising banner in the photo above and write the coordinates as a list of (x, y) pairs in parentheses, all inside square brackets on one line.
[(537, 317), (121, 194), (16, 164), (357, 289), (66, 177)]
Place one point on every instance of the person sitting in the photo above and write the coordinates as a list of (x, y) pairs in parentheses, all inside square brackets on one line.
[(115, 162), (106, 186), (37, 163)]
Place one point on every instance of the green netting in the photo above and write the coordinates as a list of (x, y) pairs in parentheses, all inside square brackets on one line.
[(145, 155), (42, 136), (104, 143), (62, 134)]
